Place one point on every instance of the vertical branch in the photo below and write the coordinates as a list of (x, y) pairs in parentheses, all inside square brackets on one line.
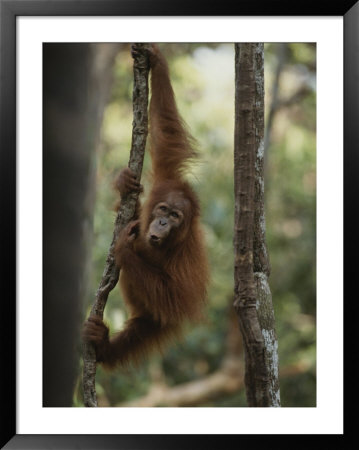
[(251, 257), (261, 258), (244, 185), (261, 265), (126, 211)]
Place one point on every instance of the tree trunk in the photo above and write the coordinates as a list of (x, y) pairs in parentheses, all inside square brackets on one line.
[(125, 214), (253, 302)]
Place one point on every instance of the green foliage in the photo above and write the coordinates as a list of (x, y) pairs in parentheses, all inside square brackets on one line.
[(203, 79)]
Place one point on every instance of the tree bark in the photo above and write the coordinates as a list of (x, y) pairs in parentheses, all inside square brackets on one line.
[(253, 302), (125, 214)]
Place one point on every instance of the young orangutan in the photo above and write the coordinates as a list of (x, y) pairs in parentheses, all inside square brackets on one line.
[(161, 255)]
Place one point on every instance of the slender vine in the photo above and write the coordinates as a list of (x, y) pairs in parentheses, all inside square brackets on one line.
[(125, 213)]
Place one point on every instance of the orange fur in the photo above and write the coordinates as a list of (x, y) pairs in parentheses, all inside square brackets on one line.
[(163, 286)]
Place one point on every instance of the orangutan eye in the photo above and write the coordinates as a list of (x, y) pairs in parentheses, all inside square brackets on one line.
[(174, 214), (163, 208)]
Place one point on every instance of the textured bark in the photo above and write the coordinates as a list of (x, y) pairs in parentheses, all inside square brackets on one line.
[(252, 294), (125, 214), (261, 267)]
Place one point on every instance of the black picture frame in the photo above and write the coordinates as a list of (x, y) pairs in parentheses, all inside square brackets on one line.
[(10, 9)]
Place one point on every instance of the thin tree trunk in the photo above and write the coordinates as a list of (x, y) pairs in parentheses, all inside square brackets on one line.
[(125, 214), (261, 257), (253, 302)]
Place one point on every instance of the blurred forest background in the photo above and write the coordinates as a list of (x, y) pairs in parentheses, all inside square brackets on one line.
[(206, 368)]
